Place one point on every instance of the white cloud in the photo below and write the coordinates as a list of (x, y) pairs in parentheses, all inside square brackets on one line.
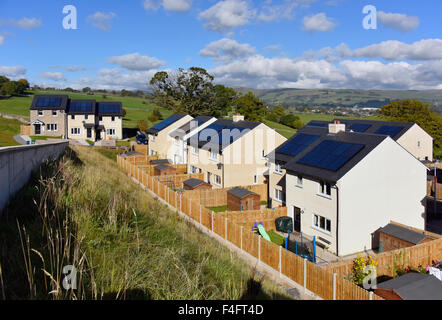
[(319, 22), (24, 23), (226, 50), (116, 79), (69, 68), (55, 76), (2, 39), (273, 47), (261, 72), (137, 62), (101, 20), (13, 72), (168, 5), (226, 15), (284, 10), (398, 21)]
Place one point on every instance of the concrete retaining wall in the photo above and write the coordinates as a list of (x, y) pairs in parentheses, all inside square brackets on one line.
[(17, 163)]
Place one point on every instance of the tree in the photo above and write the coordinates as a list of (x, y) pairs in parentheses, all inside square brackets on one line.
[(23, 85), (86, 90), (9, 88), (251, 107), (191, 91), (3, 80), (156, 112), (124, 112), (418, 112), (142, 125), (276, 114), (289, 120)]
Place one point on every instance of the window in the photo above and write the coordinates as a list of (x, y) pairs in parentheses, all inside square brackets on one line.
[(100, 118), (72, 116), (214, 156), (278, 168), (278, 195), (40, 113), (263, 154), (86, 117), (418, 144), (299, 181), (216, 179), (192, 169), (255, 179), (110, 132), (75, 131), (54, 113), (325, 189), (195, 151), (153, 138), (113, 118), (52, 127), (321, 223)]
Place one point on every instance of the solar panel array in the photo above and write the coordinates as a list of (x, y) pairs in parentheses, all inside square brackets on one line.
[(331, 155), (84, 106), (165, 123), (109, 108), (359, 127), (389, 130), (49, 102), (298, 144)]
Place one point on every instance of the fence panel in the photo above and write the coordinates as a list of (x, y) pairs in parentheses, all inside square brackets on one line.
[(206, 218), (234, 233), (219, 225), (292, 266), (250, 242), (270, 254)]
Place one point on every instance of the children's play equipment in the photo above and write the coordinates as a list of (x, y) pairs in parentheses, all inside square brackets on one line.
[(302, 245), (263, 232)]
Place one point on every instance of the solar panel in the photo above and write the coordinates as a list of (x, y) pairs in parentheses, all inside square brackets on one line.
[(331, 155), (228, 136), (298, 144), (48, 102), (108, 108), (359, 127), (316, 124), (165, 123), (85, 106), (389, 130)]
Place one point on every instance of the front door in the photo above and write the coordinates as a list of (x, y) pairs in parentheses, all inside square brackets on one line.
[(297, 219), (89, 132), (98, 135), (37, 129), (208, 177)]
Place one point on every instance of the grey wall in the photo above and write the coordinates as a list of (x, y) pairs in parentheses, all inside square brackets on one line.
[(17, 163)]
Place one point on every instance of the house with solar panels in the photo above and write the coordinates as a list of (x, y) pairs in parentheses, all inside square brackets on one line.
[(183, 133), (57, 115), (160, 141), (409, 135), (342, 186), (232, 152), (48, 115)]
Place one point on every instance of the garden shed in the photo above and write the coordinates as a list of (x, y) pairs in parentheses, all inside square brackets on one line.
[(392, 237), (196, 184), (240, 199), (164, 170), (160, 161)]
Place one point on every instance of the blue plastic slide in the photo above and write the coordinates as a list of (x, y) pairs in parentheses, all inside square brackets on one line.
[(263, 232)]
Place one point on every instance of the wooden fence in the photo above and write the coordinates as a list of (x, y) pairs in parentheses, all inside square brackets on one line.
[(419, 255), (143, 149), (246, 219), (314, 278), (176, 181), (218, 197), (25, 130)]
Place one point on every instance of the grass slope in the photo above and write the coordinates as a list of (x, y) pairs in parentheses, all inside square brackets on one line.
[(123, 243), (8, 129)]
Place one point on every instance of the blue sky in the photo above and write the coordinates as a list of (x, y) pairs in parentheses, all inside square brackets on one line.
[(262, 43)]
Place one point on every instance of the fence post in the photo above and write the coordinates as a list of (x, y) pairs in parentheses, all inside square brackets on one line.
[(225, 229), (212, 220), (180, 203), (190, 209), (259, 248), (201, 214), (176, 204), (371, 295), (280, 262), (241, 236), (334, 285), (305, 274)]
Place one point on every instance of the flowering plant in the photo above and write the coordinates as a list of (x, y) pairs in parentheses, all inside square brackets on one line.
[(359, 268)]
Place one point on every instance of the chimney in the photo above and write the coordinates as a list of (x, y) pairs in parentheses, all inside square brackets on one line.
[(238, 117), (336, 127)]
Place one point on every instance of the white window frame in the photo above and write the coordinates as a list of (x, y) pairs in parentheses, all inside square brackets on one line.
[(153, 138), (214, 179), (323, 193), (40, 113), (75, 131), (299, 181), (279, 192), (316, 223), (113, 118), (211, 157), (192, 169), (110, 132), (56, 113), (195, 151), (278, 166), (72, 116), (86, 117)]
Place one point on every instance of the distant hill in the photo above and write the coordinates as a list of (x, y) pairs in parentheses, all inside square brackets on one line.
[(342, 97)]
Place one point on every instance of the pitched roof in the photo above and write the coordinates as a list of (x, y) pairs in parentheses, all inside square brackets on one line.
[(221, 133), (193, 183), (189, 126), (165, 123), (415, 286), (370, 126), (403, 233), (160, 161), (240, 192), (81, 106), (50, 101), (110, 108), (360, 145)]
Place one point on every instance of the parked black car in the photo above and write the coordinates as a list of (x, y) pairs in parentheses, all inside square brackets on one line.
[(141, 138)]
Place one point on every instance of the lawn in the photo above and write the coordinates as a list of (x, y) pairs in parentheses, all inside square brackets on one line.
[(8, 129), (281, 129), (123, 243), (218, 209), (276, 238)]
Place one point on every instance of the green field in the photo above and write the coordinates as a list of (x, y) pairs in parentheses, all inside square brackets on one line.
[(8, 129)]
